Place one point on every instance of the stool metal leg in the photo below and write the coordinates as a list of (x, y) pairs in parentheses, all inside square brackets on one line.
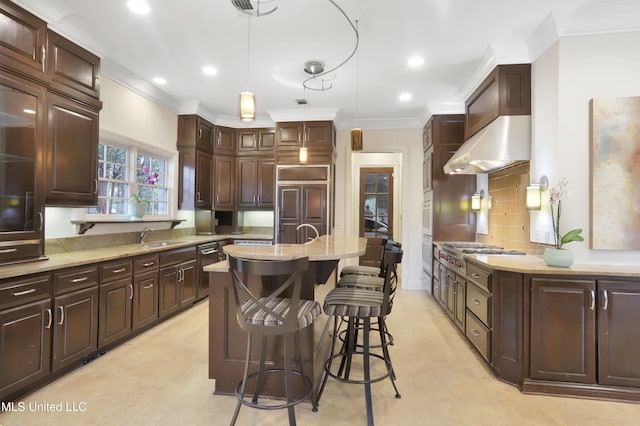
[(367, 371), (327, 365), (387, 357), (287, 378), (263, 356), (244, 381)]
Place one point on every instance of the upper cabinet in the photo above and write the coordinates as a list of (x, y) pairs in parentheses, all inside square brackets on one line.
[(506, 91), (74, 71), (23, 41), (225, 139), (195, 131), (254, 141), (317, 136)]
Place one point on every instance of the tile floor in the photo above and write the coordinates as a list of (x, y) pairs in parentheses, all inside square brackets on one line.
[(160, 378)]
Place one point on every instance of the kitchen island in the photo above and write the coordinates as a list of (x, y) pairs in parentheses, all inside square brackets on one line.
[(227, 342)]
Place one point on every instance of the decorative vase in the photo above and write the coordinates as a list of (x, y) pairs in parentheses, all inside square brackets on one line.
[(138, 210), (562, 258)]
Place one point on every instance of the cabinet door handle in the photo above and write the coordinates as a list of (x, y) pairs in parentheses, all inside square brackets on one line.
[(254, 199), (475, 275), (199, 198), (117, 271), (10, 250), (199, 133), (146, 287), (476, 301), (131, 287), (605, 303), (146, 265), (95, 186), (475, 332), (593, 300), (40, 221), (79, 280), (50, 318), (44, 56), (24, 292), (61, 315)]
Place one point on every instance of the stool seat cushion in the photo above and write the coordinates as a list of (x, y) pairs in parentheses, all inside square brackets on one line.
[(353, 302), (362, 281), (308, 311), (360, 270)]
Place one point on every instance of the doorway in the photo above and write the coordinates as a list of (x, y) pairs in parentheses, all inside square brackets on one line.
[(376, 211)]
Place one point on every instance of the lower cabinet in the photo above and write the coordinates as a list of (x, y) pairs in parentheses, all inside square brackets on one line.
[(75, 321), (145, 290), (177, 280), (116, 295), (25, 352)]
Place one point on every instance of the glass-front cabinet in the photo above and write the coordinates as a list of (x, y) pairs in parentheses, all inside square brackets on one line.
[(21, 169)]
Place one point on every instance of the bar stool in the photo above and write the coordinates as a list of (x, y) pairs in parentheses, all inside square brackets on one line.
[(362, 305), (279, 313), (351, 271)]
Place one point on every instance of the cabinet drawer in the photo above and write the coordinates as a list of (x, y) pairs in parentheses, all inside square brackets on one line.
[(115, 270), (479, 303), (172, 257), (479, 335), (20, 250), (19, 292), (75, 279), (480, 277), (145, 263)]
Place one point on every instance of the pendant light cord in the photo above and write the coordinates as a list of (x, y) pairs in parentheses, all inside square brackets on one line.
[(357, 80), (248, 52)]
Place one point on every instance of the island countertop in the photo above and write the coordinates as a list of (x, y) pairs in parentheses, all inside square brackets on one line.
[(325, 247)]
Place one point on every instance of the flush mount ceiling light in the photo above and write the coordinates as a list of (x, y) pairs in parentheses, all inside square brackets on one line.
[(316, 81), (415, 61), (209, 70)]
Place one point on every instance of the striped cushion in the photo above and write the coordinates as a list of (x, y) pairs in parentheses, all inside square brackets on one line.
[(362, 281), (360, 270), (353, 302), (308, 311)]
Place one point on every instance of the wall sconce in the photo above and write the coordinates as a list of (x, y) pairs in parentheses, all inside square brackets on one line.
[(476, 200), (534, 193)]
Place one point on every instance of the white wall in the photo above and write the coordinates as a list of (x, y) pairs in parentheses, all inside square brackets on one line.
[(565, 78), (402, 149), (126, 116)]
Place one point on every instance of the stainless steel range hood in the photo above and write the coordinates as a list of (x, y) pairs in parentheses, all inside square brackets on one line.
[(504, 141)]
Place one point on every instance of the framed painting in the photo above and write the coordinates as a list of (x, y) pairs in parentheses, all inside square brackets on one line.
[(615, 173)]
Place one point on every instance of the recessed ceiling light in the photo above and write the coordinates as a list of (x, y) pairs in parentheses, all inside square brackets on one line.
[(405, 97), (415, 61), (139, 6), (159, 80), (208, 70)]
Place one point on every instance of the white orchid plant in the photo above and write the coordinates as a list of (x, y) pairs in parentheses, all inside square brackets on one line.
[(556, 195)]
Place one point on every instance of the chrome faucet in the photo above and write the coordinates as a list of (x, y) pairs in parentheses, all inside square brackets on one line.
[(144, 233), (308, 225)]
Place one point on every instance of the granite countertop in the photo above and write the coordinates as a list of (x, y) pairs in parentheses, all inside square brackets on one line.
[(528, 264), (84, 257), (326, 247)]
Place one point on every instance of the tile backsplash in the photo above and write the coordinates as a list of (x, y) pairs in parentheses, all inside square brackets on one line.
[(508, 218)]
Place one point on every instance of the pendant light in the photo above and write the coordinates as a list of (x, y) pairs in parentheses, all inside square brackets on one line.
[(356, 133), (303, 154), (247, 98)]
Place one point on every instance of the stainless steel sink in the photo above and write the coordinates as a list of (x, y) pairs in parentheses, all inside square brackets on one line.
[(159, 244)]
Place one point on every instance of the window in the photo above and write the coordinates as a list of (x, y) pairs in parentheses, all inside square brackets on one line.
[(125, 173)]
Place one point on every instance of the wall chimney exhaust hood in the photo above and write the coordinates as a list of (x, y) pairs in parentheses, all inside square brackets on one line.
[(504, 141)]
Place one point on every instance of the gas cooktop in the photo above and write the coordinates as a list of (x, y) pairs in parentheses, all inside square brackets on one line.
[(473, 247)]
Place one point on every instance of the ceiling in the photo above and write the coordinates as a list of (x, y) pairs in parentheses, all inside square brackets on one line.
[(460, 41)]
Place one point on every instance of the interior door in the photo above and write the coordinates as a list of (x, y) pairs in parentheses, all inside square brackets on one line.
[(376, 211)]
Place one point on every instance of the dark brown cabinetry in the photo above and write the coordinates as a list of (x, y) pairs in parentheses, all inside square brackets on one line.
[(23, 41), (75, 316), (22, 173), (256, 182), (506, 91), (177, 280), (72, 145), (256, 140), (74, 71), (224, 140), (26, 323), (452, 217), (195, 147), (145, 290), (224, 182), (116, 295), (478, 314), (317, 136), (297, 204)]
